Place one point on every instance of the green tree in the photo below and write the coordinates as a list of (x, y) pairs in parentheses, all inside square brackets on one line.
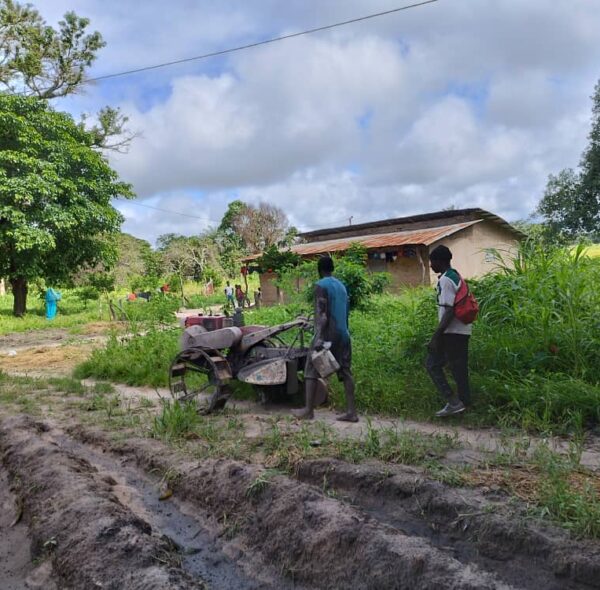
[(55, 197), (571, 202), (41, 61)]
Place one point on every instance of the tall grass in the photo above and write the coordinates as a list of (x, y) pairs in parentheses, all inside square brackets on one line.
[(535, 349)]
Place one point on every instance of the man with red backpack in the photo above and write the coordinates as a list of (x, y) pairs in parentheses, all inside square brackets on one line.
[(449, 345)]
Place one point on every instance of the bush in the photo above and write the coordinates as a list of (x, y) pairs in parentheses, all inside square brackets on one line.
[(534, 350)]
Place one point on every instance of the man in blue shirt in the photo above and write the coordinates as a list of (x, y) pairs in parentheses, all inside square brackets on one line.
[(331, 325)]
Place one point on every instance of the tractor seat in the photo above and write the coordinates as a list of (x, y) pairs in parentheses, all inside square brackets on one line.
[(251, 329), (197, 337)]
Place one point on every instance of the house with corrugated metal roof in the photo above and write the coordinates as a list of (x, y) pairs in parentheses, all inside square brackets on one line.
[(401, 246)]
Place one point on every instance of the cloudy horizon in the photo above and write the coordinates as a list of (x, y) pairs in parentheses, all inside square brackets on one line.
[(455, 103)]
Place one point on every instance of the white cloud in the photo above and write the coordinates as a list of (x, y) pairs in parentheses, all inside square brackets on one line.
[(465, 103)]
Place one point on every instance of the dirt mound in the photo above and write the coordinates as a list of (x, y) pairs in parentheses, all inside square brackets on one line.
[(480, 529), (336, 526), (93, 540), (315, 539)]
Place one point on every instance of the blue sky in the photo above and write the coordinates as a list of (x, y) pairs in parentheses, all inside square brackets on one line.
[(461, 102)]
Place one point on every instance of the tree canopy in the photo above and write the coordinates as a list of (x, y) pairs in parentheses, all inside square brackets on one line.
[(571, 202), (41, 61), (55, 196), (256, 228)]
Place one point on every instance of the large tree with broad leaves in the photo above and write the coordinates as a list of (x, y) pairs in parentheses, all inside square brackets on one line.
[(56, 189)]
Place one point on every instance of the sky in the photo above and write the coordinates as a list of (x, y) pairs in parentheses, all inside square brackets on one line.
[(465, 103)]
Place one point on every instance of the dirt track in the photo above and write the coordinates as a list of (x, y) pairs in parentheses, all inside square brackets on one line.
[(234, 525)]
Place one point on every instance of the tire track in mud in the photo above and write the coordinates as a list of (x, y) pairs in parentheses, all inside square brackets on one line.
[(94, 525), (475, 529), (316, 540), (336, 526)]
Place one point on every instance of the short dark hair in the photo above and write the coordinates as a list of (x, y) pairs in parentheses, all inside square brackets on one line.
[(441, 253), (325, 264)]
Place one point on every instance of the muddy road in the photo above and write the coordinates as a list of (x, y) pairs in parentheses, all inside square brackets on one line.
[(103, 511)]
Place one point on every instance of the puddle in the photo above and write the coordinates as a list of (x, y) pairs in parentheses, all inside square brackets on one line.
[(201, 553)]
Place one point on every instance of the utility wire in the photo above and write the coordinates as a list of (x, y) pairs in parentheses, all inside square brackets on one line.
[(171, 212), (330, 224), (258, 43)]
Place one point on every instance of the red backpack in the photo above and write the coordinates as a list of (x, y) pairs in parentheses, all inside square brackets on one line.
[(466, 307)]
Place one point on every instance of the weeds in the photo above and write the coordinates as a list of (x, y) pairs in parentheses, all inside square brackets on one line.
[(572, 501), (261, 482), (176, 420)]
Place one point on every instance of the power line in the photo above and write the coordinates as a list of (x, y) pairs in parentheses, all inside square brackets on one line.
[(330, 224), (172, 212), (258, 43)]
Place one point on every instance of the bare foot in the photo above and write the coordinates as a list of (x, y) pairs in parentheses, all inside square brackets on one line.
[(347, 418), (303, 414)]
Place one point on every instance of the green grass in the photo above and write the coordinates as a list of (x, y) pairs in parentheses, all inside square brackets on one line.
[(141, 360), (534, 349), (576, 507), (593, 251), (72, 314)]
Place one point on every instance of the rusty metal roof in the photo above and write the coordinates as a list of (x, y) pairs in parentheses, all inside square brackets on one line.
[(389, 240), (466, 214)]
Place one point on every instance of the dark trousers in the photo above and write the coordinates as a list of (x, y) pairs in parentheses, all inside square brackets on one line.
[(454, 352)]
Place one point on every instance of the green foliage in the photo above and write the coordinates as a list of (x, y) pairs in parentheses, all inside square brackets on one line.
[(357, 253), (73, 314), (571, 203), (274, 260), (298, 281), (141, 360), (176, 420), (55, 194), (39, 60), (574, 507), (534, 350)]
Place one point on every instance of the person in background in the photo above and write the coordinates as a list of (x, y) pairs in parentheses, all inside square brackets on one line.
[(331, 325), (257, 298), (240, 296), (449, 345), (52, 297), (229, 293)]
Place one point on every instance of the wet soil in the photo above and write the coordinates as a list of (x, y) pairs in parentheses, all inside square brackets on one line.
[(134, 513), (477, 528), (347, 526), (17, 570), (105, 524)]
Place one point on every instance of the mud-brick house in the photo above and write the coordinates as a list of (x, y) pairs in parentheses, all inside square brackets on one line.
[(401, 246)]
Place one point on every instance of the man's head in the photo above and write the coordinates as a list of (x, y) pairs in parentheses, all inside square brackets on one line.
[(325, 266), (228, 284), (440, 258)]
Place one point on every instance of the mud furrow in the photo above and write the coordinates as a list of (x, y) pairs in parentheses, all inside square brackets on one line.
[(187, 528), (93, 540), (475, 529), (314, 539)]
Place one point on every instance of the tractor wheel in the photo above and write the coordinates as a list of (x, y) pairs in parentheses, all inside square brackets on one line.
[(197, 375)]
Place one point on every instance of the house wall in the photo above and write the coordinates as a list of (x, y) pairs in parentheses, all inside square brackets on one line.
[(404, 272), (468, 248), (270, 293)]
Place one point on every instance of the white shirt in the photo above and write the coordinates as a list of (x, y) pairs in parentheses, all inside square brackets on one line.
[(447, 287)]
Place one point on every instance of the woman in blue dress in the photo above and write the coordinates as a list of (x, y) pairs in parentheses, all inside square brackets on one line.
[(52, 297)]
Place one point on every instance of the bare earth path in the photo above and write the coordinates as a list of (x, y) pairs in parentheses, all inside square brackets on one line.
[(105, 506), (131, 513)]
